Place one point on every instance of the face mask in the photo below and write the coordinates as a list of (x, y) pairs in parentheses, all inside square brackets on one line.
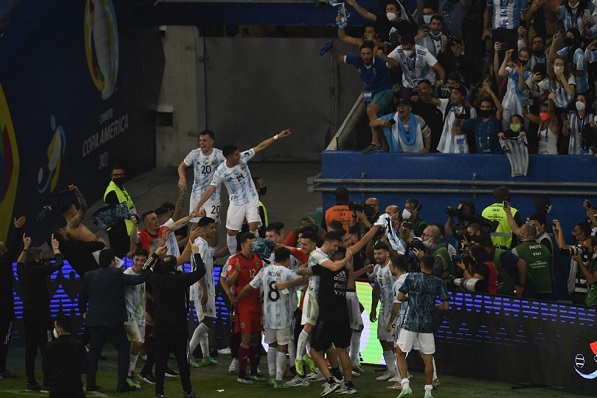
[(55, 333), (580, 106), (391, 16), (569, 42), (485, 113), (558, 69), (408, 53), (544, 117), (427, 243), (262, 191), (427, 18), (406, 214), (539, 53), (119, 181), (524, 62), (515, 127), (548, 208)]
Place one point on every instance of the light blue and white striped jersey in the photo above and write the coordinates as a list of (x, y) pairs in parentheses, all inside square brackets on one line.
[(506, 13), (581, 64), (415, 69), (315, 257), (575, 19), (277, 306), (395, 288), (450, 142), (207, 255), (383, 278), (563, 99), (171, 242), (134, 298), (238, 180), (204, 168), (577, 125)]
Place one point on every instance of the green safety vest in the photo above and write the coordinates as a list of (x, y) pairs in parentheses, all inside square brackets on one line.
[(123, 197), (591, 297), (538, 260), (449, 268), (503, 234)]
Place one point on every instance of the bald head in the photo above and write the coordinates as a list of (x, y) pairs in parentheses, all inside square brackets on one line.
[(528, 232)]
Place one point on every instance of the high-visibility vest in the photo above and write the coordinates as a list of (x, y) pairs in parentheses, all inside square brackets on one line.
[(502, 236), (123, 197)]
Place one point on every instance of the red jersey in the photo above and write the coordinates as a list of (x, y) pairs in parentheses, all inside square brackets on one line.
[(248, 270), (145, 239)]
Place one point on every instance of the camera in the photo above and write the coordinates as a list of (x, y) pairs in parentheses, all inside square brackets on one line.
[(369, 210), (462, 257), (451, 211), (416, 243), (579, 250), (466, 284), (466, 213)]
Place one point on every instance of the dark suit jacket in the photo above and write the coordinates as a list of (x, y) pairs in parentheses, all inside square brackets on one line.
[(102, 296)]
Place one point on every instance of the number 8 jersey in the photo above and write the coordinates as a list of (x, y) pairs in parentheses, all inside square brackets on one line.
[(277, 306)]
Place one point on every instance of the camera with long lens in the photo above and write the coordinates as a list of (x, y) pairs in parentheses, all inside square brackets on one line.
[(416, 243), (451, 211), (362, 207), (464, 258), (466, 213), (579, 250), (466, 284)]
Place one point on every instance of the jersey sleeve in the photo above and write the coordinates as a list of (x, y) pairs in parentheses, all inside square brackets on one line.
[(189, 159), (247, 155), (257, 280), (218, 176), (300, 255)]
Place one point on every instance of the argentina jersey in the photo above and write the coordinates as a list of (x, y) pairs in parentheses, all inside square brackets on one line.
[(207, 255), (134, 297), (506, 13), (315, 257), (277, 306), (238, 180), (204, 168), (385, 280)]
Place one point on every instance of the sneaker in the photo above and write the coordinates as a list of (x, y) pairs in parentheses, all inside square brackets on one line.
[(93, 388), (189, 395), (396, 386), (329, 388), (233, 368), (315, 376), (33, 386), (299, 366), (428, 395), (170, 373), (346, 390), (244, 380), (159, 396), (435, 383), (395, 379), (387, 375), (124, 387), (193, 362), (373, 148), (6, 374), (355, 374), (148, 378), (406, 392), (208, 361), (279, 384), (225, 351), (310, 363), (131, 381), (257, 377), (45, 389), (297, 381), (358, 369)]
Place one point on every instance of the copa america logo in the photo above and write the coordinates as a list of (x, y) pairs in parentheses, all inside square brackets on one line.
[(9, 166), (580, 362), (102, 45), (47, 176)]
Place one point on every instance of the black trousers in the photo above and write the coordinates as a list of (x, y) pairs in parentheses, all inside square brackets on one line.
[(37, 335), (6, 326), (165, 343), (116, 335)]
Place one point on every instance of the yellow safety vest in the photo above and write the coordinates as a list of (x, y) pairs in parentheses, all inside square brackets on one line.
[(503, 234), (123, 197)]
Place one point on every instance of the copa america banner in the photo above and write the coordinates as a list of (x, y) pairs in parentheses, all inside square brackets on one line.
[(79, 83)]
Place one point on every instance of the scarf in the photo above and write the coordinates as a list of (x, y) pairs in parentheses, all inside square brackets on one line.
[(413, 125)]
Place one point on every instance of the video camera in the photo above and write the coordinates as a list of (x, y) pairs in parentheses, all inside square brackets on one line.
[(466, 213), (369, 210)]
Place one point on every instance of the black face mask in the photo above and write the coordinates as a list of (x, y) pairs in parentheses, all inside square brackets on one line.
[(262, 191), (568, 42), (119, 181), (539, 53), (485, 113)]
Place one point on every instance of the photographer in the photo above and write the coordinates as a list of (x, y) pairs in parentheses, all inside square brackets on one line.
[(511, 269), (538, 258), (363, 216), (479, 272), (410, 217), (588, 267), (458, 230), (435, 246)]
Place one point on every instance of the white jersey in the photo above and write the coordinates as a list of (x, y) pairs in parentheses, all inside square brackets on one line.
[(395, 288), (207, 255), (171, 242), (204, 168), (277, 306), (315, 257), (383, 278), (134, 298), (238, 180), (450, 142)]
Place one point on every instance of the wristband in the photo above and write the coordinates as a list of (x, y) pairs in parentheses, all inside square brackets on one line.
[(276, 137)]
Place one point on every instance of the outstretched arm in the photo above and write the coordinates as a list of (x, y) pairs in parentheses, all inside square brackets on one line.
[(264, 144), (208, 192), (363, 11), (78, 219)]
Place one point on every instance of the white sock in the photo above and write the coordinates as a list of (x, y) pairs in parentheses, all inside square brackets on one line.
[(280, 364), (390, 359), (434, 370), (292, 351), (133, 362), (256, 233), (428, 388), (231, 243), (204, 343), (271, 361), (355, 345), (198, 334), (405, 383), (301, 344)]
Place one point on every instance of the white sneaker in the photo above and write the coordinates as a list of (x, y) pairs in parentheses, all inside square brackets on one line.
[(346, 390), (298, 381), (357, 369), (387, 375), (233, 368), (315, 376), (395, 379), (329, 388), (225, 351), (355, 374)]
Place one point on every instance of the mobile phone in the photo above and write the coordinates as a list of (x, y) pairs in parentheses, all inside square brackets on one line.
[(392, 122), (588, 203), (505, 203)]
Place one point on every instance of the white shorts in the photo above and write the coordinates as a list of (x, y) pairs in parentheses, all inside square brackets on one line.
[(382, 331), (135, 331), (354, 311), (424, 342), (238, 213), (207, 310), (212, 209), (281, 336), (310, 309)]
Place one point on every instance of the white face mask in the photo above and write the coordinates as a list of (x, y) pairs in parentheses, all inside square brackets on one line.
[(408, 53), (427, 243), (558, 69), (55, 333), (548, 209), (580, 106), (427, 18), (406, 214), (391, 16)]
